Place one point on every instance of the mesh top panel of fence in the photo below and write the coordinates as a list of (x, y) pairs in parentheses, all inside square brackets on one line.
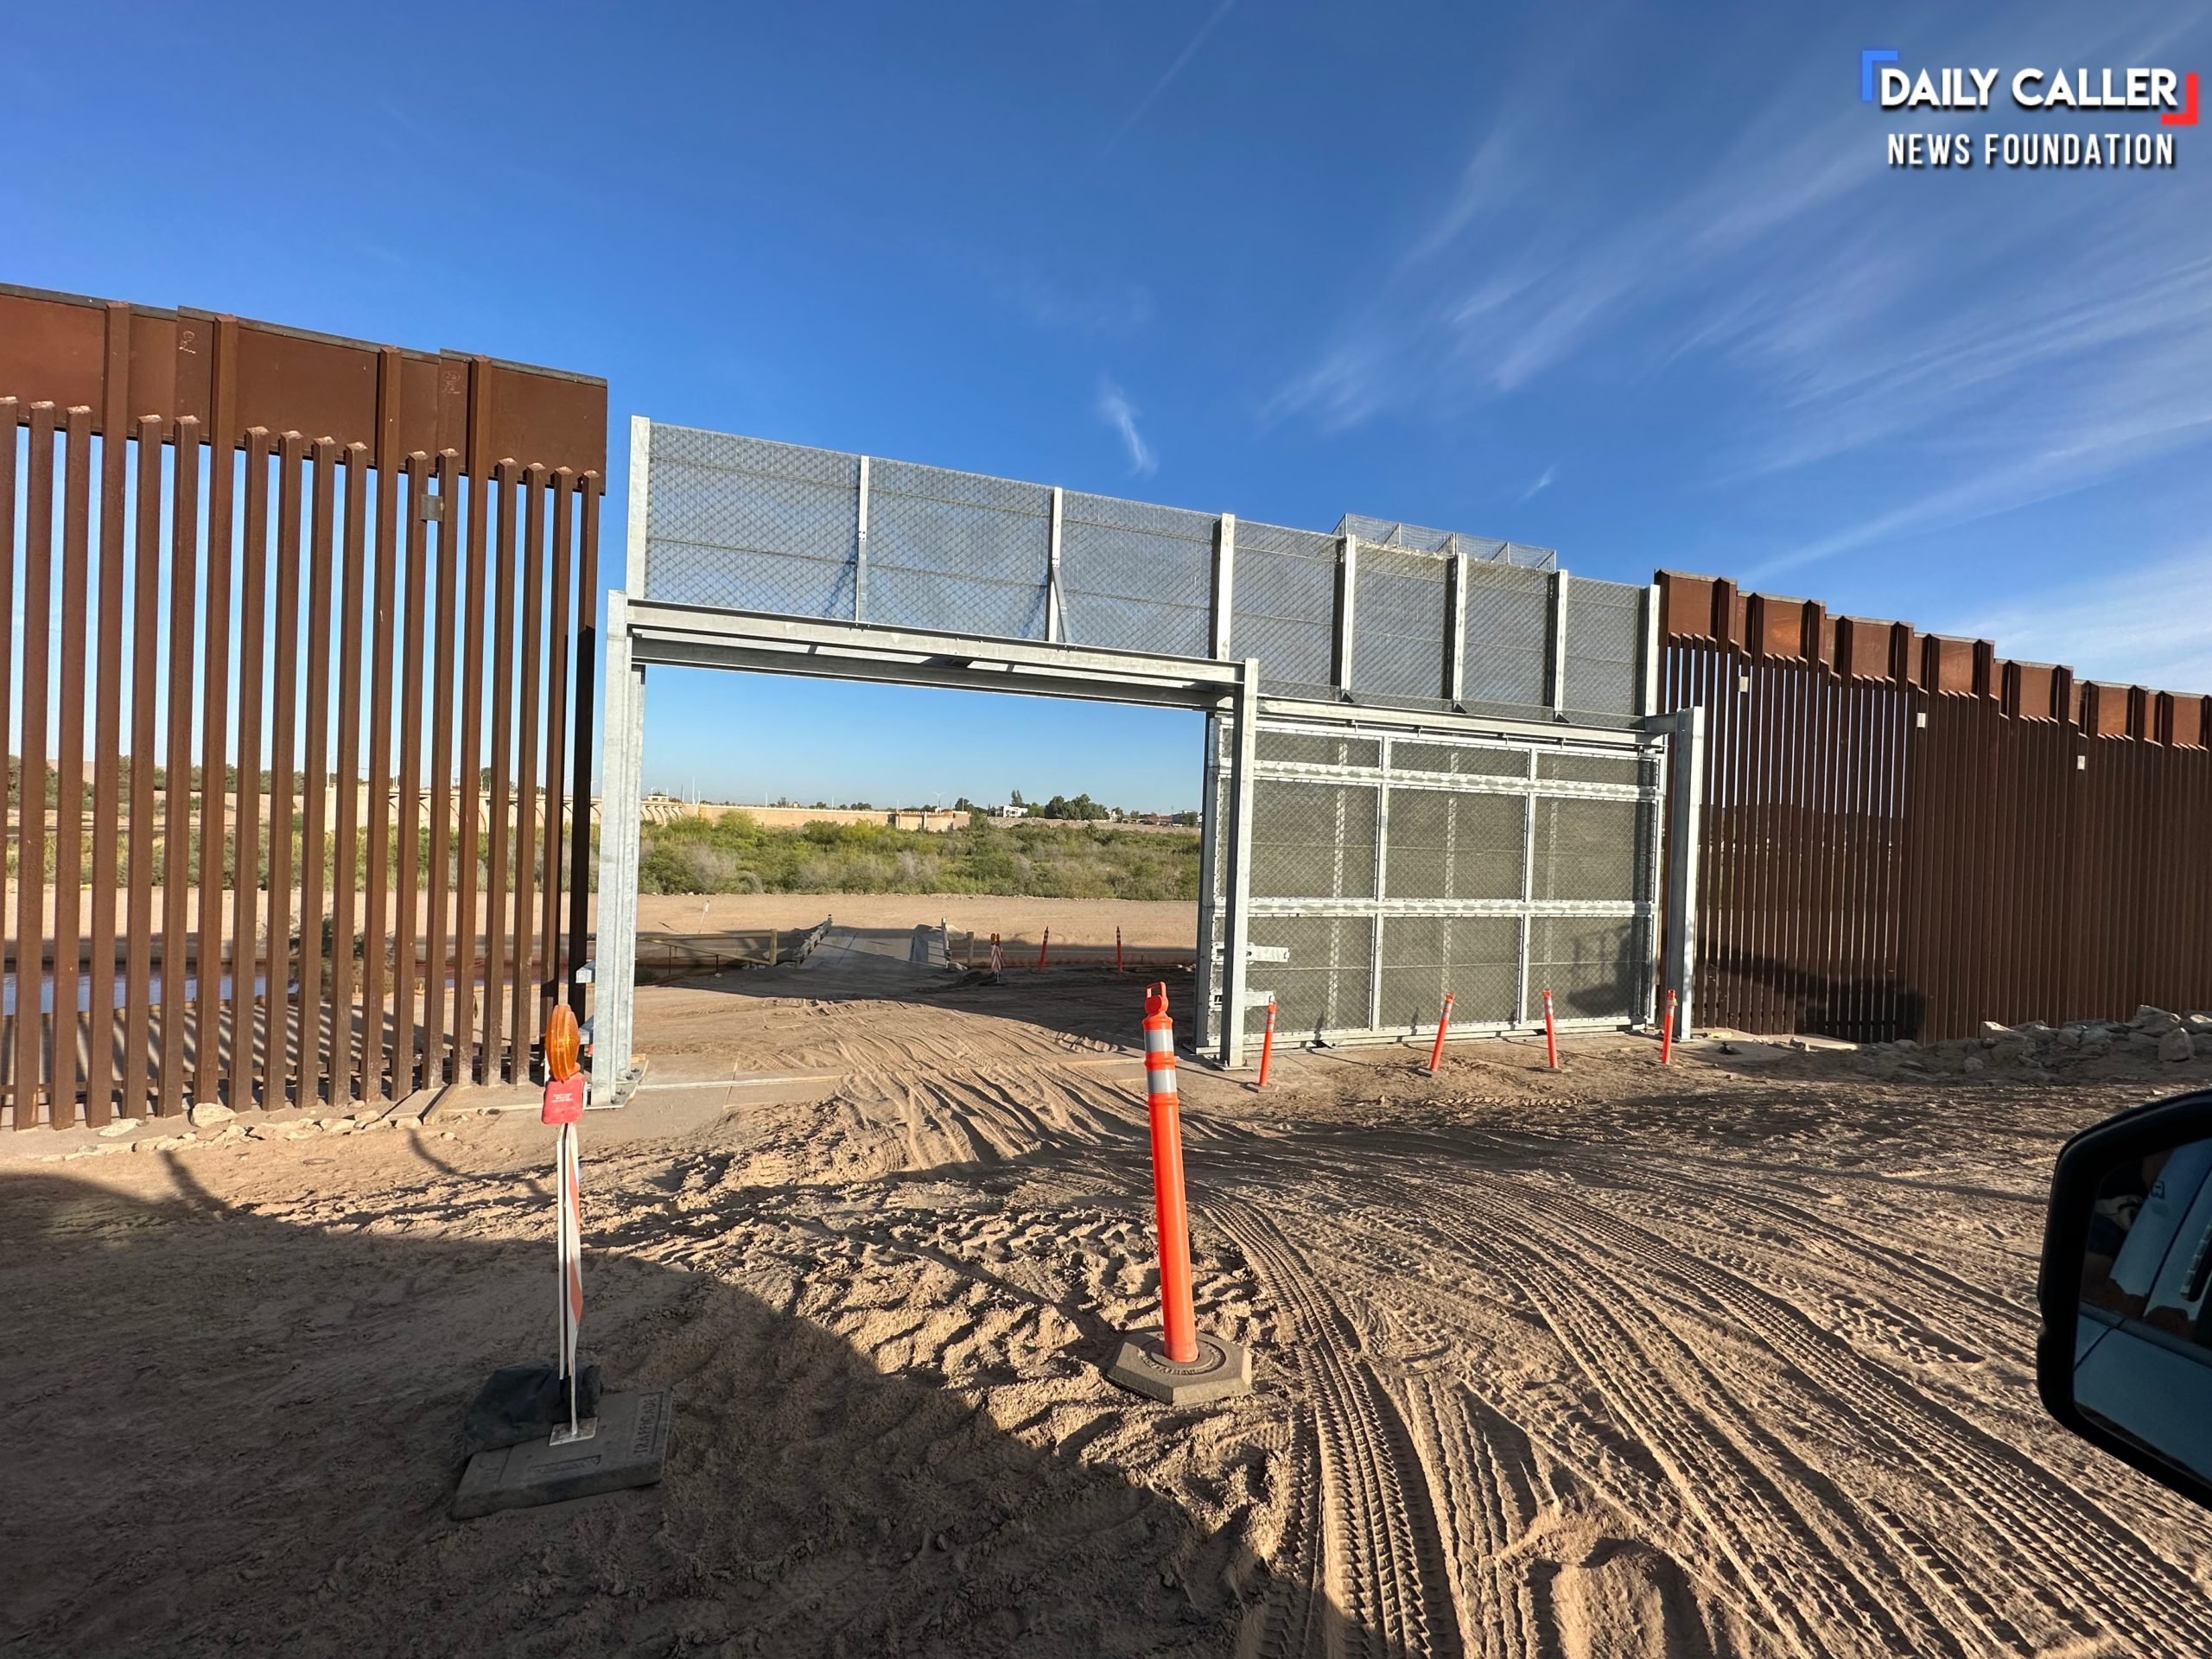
[(1399, 624), (1509, 635), (1605, 646), (1135, 577), (751, 525), (1284, 607)]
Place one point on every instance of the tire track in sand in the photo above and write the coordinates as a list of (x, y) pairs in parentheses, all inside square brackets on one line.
[(1381, 1559)]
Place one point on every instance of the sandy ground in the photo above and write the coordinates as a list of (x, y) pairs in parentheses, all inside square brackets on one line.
[(1732, 1359)]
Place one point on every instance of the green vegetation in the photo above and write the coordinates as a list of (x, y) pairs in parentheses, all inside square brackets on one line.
[(1032, 859)]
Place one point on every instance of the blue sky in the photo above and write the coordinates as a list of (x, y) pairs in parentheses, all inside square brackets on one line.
[(1630, 282)]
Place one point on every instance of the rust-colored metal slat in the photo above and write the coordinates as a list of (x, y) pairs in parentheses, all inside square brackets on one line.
[(69, 770), (145, 673), (107, 758), (313, 865), (176, 780), (278, 1069), (215, 835), (348, 1027), (497, 1064), (245, 838)]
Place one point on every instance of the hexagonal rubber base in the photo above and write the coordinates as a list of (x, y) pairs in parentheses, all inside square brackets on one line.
[(1222, 1369)]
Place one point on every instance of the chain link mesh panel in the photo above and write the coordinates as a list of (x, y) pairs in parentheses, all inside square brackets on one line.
[(1136, 578), (1461, 760), (1593, 965), (1327, 984), (957, 551), (1401, 625), (751, 525), (1314, 749), (1284, 604), (1476, 958), (1311, 840), (1449, 846), (1592, 850), (1605, 646), (1591, 768), (1509, 636)]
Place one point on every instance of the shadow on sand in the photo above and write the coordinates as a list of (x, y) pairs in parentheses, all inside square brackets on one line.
[(229, 1433)]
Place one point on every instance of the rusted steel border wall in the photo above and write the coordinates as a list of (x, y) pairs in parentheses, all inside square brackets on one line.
[(279, 571), (1906, 835)]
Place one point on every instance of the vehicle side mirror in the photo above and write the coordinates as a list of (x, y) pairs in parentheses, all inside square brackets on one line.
[(2124, 1356)]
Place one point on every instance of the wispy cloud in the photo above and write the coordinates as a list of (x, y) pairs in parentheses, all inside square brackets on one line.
[(2029, 338), (1119, 413), (1181, 63), (2147, 630), (1543, 483)]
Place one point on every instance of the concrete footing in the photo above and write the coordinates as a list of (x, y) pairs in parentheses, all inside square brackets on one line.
[(628, 1445), (1221, 1370)]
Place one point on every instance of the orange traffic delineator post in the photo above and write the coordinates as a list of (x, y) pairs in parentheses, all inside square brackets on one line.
[(998, 958), (1443, 1024), (1551, 1035), (1117, 949), (1267, 1045), (1174, 1364), (1666, 1032), (1043, 945)]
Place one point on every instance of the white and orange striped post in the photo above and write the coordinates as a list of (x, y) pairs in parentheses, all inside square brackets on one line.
[(1551, 1035), (1267, 1045), (1044, 945), (564, 1106), (1178, 1366), (1117, 949), (1666, 1032), (998, 957)]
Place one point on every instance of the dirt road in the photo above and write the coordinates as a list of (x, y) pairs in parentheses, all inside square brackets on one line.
[(1730, 1359)]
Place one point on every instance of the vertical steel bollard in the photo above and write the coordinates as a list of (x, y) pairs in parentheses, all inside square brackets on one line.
[(1178, 1367), (1267, 1045), (1667, 1031), (1551, 1035), (1043, 945), (1443, 1024)]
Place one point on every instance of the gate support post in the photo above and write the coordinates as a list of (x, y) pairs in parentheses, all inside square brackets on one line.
[(614, 971), (1684, 830), (1236, 966)]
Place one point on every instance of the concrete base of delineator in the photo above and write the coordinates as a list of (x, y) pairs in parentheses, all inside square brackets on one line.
[(1221, 1370), (628, 1448)]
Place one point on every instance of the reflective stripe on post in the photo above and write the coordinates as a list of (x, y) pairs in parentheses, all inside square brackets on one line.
[(1177, 1322), (1551, 1035), (1443, 1024)]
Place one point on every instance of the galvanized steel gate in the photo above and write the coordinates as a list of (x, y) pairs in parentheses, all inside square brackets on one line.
[(1390, 865), (1429, 755)]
